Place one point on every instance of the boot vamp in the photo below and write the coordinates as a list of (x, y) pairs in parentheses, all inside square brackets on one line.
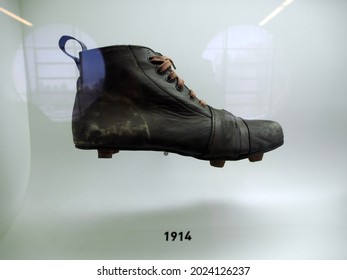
[(229, 136), (233, 138)]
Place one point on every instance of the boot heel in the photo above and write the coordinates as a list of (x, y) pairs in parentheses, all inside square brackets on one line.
[(255, 157), (106, 153)]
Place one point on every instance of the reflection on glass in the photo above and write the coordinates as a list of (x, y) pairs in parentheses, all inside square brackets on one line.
[(275, 12), (44, 74), (241, 58), (14, 16)]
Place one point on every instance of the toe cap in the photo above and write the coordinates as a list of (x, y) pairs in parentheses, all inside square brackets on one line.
[(264, 135)]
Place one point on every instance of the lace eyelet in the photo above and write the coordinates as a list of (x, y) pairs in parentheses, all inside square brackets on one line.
[(179, 88), (169, 80), (158, 72)]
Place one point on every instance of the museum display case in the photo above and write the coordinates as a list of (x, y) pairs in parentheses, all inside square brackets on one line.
[(278, 60)]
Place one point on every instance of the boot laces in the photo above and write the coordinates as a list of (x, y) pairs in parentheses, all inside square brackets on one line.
[(166, 64)]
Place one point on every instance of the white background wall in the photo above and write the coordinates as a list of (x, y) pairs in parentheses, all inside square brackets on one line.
[(290, 205)]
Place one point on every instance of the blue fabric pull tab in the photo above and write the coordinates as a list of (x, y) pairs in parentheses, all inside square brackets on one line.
[(62, 42)]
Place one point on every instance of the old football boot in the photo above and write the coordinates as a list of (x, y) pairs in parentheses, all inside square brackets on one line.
[(130, 98)]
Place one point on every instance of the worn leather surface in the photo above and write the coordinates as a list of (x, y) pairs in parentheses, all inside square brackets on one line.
[(122, 102)]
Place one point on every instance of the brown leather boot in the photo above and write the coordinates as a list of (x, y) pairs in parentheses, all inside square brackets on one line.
[(129, 98)]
